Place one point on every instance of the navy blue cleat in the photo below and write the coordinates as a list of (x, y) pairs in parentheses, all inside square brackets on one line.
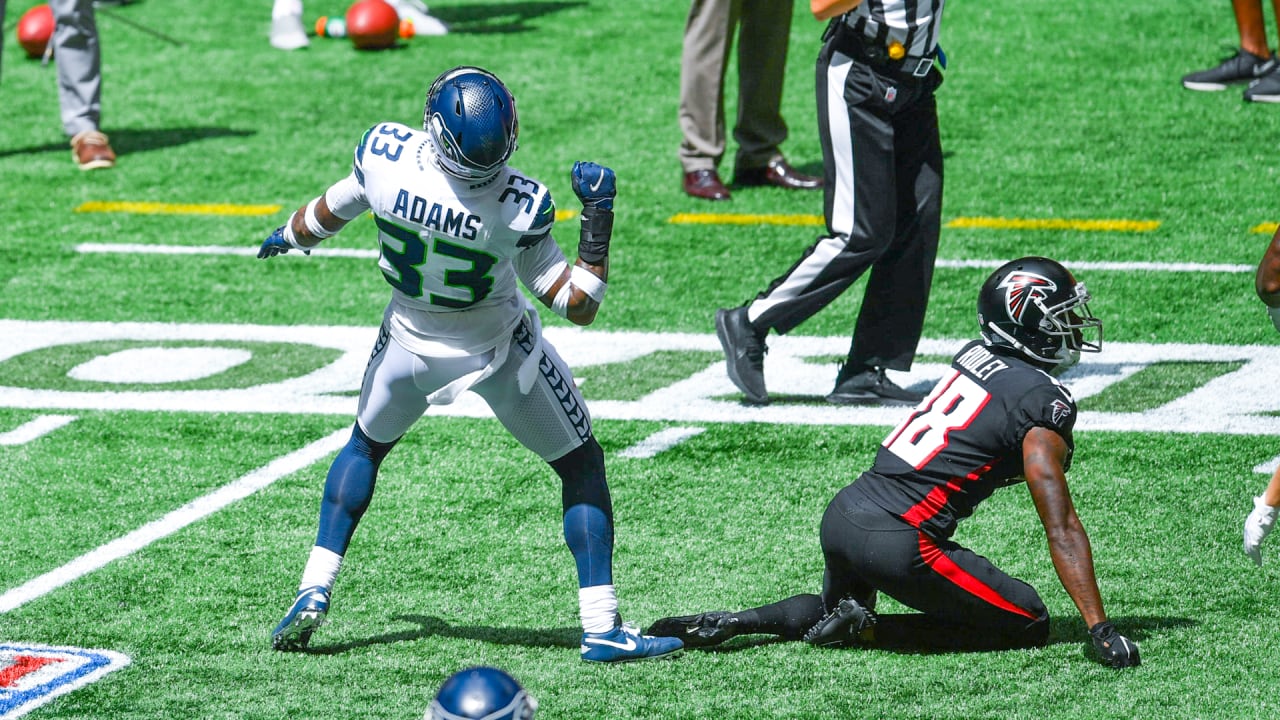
[(625, 643), (304, 616)]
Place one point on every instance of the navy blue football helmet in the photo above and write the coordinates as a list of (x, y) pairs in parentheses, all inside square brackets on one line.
[(471, 118), (482, 693), (1035, 306)]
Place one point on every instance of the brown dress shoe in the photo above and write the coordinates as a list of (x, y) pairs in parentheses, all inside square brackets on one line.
[(91, 150), (705, 184), (777, 173)]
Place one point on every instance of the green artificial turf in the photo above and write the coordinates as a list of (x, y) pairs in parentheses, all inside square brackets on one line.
[(1050, 110)]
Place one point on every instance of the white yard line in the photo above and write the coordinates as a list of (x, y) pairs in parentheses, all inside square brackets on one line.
[(661, 441), (1268, 467), (136, 249), (1075, 265), (35, 429), (187, 514)]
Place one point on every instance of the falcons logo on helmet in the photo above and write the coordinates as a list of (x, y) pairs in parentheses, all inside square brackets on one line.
[(1020, 288)]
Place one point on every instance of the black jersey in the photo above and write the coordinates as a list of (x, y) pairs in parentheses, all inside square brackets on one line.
[(965, 439)]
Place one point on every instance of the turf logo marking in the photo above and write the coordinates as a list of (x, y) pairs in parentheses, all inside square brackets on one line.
[(32, 675)]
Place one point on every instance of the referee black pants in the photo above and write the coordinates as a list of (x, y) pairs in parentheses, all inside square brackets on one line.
[(882, 161)]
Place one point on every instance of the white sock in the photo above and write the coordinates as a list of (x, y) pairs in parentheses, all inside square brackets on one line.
[(322, 569), (598, 606), (283, 8)]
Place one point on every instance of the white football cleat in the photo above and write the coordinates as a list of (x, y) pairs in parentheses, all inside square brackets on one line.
[(416, 12), (287, 33)]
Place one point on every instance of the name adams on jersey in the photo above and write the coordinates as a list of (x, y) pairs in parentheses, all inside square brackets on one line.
[(448, 245)]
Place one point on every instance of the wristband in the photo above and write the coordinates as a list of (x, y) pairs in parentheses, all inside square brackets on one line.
[(593, 238), (560, 303), (313, 223), (587, 282), (292, 239)]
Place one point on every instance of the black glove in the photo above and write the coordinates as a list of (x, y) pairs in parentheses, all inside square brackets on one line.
[(1113, 648)]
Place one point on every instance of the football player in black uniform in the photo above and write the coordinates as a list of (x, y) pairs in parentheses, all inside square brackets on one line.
[(997, 418)]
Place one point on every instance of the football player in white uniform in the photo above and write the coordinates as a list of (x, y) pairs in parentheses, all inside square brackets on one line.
[(1266, 506), (457, 226)]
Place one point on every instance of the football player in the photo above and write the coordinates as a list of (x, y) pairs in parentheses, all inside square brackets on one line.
[(997, 418), (457, 226), (1267, 505)]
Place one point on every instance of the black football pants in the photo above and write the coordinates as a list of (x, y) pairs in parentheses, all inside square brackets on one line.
[(968, 603)]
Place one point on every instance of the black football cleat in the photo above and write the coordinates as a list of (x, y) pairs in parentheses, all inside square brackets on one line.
[(870, 387), (848, 625), (744, 351), (701, 630)]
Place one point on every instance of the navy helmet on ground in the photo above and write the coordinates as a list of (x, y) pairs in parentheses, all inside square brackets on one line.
[(471, 118), (1035, 306), (481, 693)]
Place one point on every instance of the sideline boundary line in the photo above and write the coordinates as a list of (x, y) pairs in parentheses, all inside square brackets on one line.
[(174, 521)]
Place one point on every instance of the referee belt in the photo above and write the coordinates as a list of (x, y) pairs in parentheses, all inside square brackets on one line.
[(859, 46)]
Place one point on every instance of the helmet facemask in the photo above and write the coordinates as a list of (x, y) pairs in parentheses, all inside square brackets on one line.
[(1069, 321)]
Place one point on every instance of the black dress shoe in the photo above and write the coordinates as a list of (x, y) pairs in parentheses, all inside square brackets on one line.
[(778, 173), (705, 184)]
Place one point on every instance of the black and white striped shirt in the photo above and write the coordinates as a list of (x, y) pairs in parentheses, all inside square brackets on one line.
[(914, 23)]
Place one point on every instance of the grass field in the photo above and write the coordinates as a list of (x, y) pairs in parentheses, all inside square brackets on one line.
[(166, 419)]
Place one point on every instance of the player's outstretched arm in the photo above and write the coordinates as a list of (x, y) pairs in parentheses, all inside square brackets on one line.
[(308, 225), (1044, 455), (577, 294)]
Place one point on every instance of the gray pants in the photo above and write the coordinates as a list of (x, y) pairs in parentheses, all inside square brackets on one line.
[(763, 28), (79, 63)]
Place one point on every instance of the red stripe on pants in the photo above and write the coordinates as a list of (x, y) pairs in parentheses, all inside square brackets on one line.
[(944, 566)]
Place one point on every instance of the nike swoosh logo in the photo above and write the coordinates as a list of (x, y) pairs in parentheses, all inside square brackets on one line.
[(594, 188), (1263, 69), (629, 645)]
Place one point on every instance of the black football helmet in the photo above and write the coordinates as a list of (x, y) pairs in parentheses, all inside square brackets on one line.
[(1035, 306), (471, 118), (482, 693)]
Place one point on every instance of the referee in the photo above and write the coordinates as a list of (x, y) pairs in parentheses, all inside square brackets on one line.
[(882, 162)]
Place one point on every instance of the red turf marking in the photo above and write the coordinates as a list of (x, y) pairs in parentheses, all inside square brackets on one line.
[(23, 665)]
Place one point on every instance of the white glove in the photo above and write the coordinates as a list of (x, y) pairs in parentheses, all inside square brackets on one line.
[(1257, 526), (1274, 312)]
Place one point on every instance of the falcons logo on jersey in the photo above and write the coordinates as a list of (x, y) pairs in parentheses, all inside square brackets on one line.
[(1060, 411), (1020, 288)]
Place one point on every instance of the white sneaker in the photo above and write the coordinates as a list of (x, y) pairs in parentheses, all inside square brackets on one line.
[(287, 33), (416, 12)]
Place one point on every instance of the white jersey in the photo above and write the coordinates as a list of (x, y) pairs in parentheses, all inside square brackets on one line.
[(450, 250)]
